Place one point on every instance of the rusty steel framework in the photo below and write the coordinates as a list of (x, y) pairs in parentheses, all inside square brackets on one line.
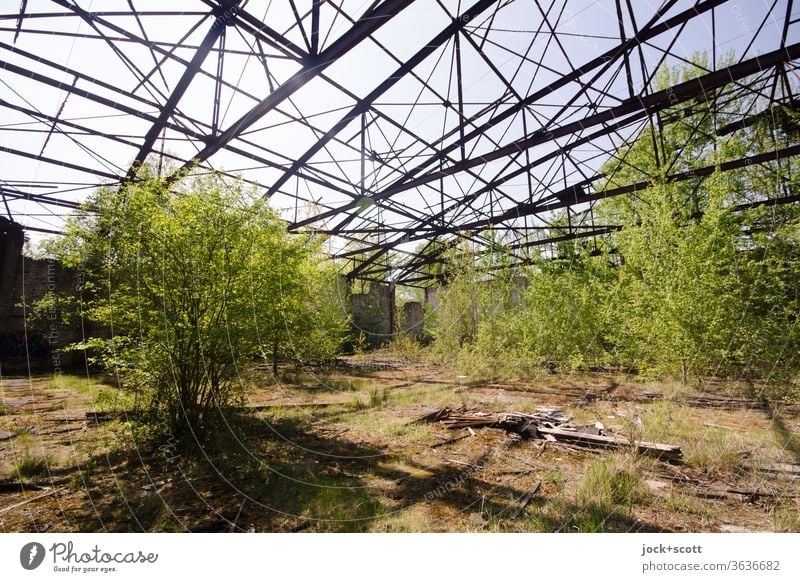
[(399, 128)]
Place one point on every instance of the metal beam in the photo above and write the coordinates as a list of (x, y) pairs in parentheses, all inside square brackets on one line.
[(363, 105), (223, 16), (366, 25), (541, 207), (649, 31), (692, 89)]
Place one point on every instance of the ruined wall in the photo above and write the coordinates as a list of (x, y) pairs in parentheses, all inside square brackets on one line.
[(412, 320), (24, 343), (431, 298), (373, 313)]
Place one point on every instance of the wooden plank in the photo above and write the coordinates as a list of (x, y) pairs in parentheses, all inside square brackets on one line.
[(31, 500), (433, 416), (787, 468), (452, 440), (753, 495), (526, 498), (18, 487), (657, 450), (549, 425)]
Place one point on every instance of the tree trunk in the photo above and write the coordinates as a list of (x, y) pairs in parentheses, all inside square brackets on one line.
[(275, 359)]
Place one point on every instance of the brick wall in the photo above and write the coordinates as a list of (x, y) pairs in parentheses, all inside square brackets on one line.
[(23, 343)]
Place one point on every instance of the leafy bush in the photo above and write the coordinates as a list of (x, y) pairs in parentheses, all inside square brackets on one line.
[(191, 284)]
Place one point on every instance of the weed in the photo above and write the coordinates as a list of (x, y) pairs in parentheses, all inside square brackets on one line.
[(554, 476), (377, 396), (404, 346), (411, 520), (614, 481), (32, 465), (355, 403), (713, 449), (683, 504), (24, 438), (103, 397), (77, 384), (786, 516)]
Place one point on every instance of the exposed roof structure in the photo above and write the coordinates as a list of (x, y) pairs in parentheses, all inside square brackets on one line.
[(387, 123)]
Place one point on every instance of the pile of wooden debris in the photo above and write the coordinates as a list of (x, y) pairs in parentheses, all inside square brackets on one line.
[(552, 425)]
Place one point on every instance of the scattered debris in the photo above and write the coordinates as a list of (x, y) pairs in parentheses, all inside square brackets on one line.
[(791, 469), (657, 450), (552, 425), (526, 498), (31, 500), (477, 519), (457, 462), (755, 495), (454, 439)]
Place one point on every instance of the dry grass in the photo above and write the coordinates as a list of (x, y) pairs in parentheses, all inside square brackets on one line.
[(786, 516), (31, 465), (361, 464)]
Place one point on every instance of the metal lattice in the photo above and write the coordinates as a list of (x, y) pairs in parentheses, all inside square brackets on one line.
[(396, 127)]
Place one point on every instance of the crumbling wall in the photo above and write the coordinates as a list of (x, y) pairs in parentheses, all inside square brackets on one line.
[(373, 313), (24, 343), (432, 298), (412, 320)]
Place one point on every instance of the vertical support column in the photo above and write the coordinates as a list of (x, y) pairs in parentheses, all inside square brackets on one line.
[(457, 48), (218, 85), (392, 306), (373, 313), (315, 5), (363, 151)]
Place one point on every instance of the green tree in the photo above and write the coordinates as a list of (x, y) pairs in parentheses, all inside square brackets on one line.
[(190, 285), (704, 285)]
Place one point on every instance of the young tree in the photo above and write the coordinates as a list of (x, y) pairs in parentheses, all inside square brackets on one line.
[(191, 284), (703, 282)]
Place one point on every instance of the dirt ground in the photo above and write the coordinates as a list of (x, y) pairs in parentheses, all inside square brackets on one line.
[(337, 450)]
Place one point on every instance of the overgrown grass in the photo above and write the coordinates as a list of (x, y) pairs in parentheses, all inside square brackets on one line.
[(430, 394), (786, 516), (410, 520), (79, 384), (610, 488), (612, 481), (103, 397), (554, 476), (686, 505), (714, 449), (603, 500), (403, 346), (377, 396), (31, 465)]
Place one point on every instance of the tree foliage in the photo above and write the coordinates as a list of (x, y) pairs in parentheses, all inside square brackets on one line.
[(189, 286), (695, 282)]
